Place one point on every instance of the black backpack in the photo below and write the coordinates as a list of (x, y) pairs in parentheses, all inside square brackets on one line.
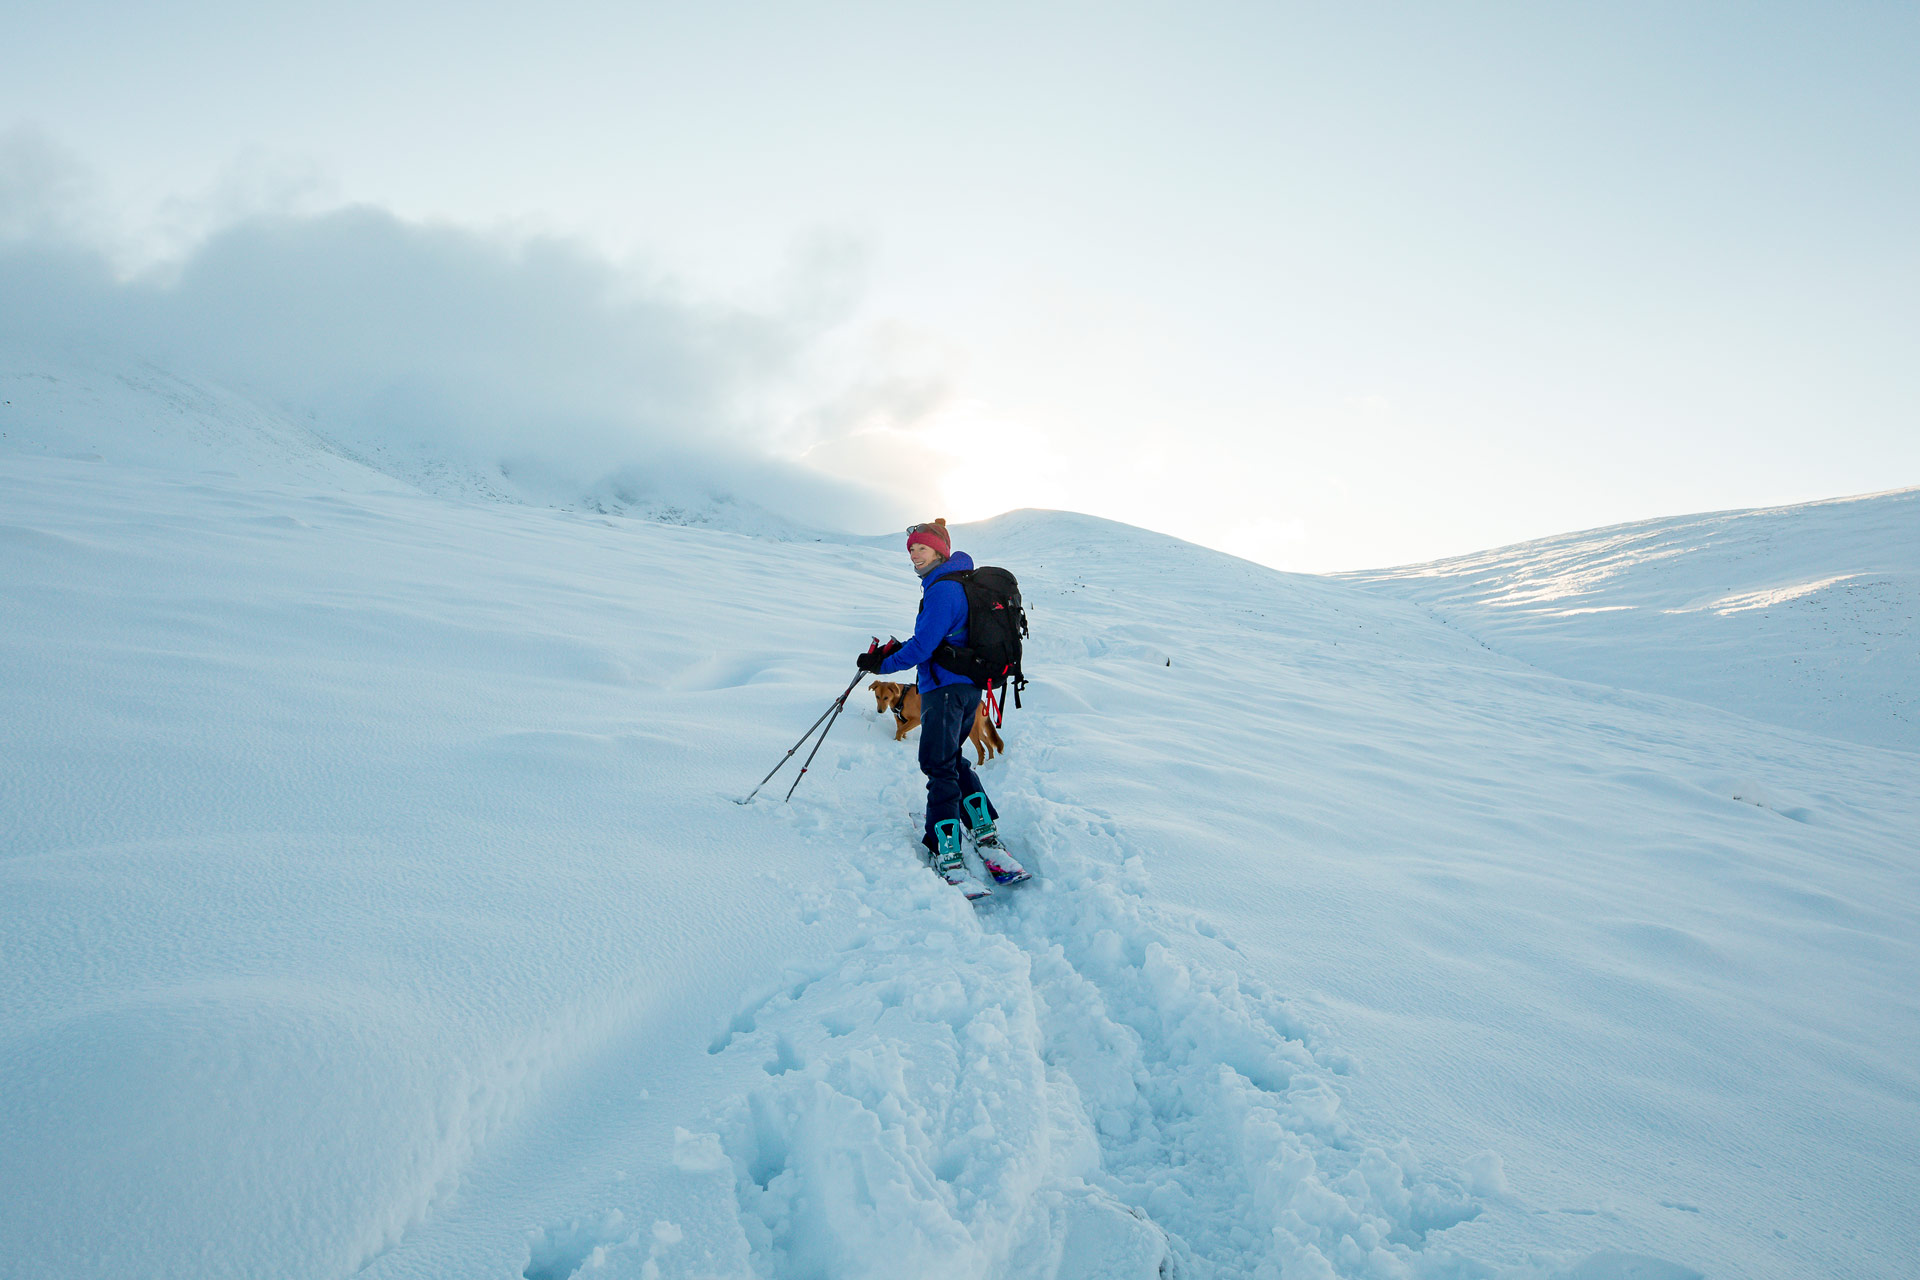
[(995, 626)]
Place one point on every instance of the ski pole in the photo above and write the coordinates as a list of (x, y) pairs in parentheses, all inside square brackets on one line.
[(808, 763), (832, 710)]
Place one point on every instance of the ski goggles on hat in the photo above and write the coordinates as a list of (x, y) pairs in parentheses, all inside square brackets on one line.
[(924, 528)]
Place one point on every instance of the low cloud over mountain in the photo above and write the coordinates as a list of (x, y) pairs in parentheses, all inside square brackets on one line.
[(533, 363)]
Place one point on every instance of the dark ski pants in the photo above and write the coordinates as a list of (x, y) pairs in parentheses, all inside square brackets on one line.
[(946, 718)]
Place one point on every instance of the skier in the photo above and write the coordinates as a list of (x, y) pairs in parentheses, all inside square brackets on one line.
[(948, 704)]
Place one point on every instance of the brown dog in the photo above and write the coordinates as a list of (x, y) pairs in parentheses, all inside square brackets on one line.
[(901, 699), (904, 701)]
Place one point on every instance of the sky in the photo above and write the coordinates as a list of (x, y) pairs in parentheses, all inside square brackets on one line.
[(1330, 287)]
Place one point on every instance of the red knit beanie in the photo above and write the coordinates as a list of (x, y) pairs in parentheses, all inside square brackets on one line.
[(932, 535)]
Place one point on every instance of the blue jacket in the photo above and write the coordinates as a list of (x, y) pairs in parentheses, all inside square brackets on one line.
[(943, 620)]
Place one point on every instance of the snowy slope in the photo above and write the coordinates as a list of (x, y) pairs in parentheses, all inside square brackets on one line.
[(98, 408), (375, 903), (1801, 616), (72, 404)]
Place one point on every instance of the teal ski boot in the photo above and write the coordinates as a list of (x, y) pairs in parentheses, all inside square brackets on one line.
[(1001, 865), (951, 863)]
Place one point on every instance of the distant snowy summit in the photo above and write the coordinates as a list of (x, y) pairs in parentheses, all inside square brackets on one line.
[(100, 406)]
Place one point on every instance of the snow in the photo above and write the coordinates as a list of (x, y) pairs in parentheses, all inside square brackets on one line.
[(1659, 607), (375, 901)]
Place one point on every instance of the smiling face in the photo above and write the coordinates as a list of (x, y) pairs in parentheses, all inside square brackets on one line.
[(923, 556)]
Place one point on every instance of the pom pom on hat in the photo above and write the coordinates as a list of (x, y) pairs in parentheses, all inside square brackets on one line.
[(932, 535)]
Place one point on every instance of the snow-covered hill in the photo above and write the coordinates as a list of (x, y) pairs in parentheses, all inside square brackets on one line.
[(1800, 616), (375, 903), (74, 404)]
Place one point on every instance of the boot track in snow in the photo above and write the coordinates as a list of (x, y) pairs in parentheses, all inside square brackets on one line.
[(1046, 1089)]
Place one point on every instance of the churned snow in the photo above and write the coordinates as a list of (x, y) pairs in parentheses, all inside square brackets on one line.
[(375, 899)]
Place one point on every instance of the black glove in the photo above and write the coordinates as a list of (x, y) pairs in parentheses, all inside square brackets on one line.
[(870, 661)]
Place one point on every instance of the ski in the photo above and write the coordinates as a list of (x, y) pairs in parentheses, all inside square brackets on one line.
[(950, 863), (994, 856), (1001, 866)]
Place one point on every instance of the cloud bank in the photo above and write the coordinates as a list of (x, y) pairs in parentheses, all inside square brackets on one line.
[(565, 377)]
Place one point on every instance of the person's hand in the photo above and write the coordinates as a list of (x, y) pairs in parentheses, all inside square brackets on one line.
[(870, 661)]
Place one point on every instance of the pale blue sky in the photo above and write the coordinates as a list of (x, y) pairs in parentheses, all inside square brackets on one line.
[(1329, 286)]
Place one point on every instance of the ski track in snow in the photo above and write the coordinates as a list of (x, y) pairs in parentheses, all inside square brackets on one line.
[(1034, 1086), (1174, 1117)]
